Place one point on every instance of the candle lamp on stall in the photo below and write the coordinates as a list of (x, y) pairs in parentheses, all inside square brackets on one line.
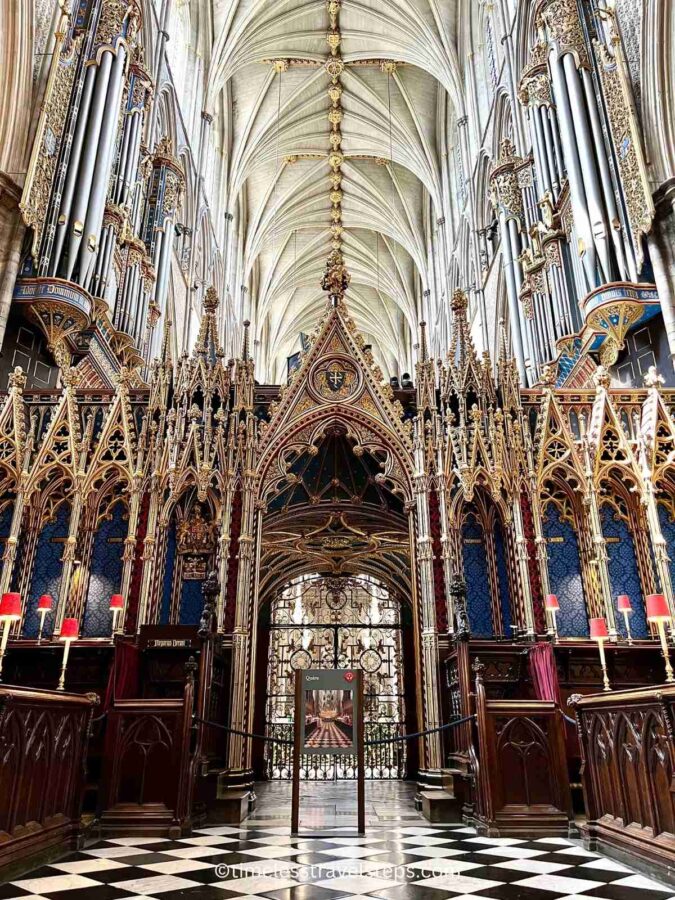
[(625, 608), (10, 612), (552, 607), (658, 612), (116, 606), (600, 634), (69, 633), (45, 604)]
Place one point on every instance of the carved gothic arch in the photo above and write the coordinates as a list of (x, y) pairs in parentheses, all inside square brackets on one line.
[(357, 402), (305, 435)]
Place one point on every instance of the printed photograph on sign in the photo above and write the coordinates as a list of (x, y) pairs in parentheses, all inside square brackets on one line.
[(329, 720)]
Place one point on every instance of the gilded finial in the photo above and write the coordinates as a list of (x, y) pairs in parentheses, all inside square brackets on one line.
[(548, 376), (459, 302), (17, 380), (211, 300)]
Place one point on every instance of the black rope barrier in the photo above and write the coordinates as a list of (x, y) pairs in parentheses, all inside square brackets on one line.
[(274, 740), (417, 734)]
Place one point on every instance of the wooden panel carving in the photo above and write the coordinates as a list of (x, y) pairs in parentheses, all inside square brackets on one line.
[(148, 771), (43, 748), (628, 766), (523, 785)]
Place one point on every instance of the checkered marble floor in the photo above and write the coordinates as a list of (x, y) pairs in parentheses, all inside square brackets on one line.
[(395, 861)]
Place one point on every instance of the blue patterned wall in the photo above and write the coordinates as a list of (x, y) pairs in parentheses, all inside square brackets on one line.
[(503, 579), (191, 603), (6, 521), (106, 573), (169, 563), (624, 577), (668, 532), (564, 574), (478, 598), (47, 571)]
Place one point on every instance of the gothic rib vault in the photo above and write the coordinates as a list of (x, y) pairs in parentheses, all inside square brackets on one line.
[(337, 119)]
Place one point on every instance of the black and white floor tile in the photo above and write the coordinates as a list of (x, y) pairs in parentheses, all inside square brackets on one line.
[(398, 859)]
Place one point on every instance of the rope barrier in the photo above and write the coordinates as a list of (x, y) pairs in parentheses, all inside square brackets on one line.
[(417, 734), (568, 719), (273, 740)]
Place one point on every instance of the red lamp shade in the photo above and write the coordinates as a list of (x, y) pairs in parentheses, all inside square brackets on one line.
[(69, 630), (45, 602), (657, 608), (623, 603), (598, 629), (552, 602), (117, 601), (10, 607)]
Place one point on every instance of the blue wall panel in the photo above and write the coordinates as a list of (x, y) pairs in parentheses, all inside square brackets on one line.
[(564, 573), (47, 571), (668, 531), (191, 603), (169, 564), (477, 582), (106, 573), (624, 577), (503, 579)]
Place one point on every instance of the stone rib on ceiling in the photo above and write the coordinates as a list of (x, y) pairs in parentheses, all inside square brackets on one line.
[(270, 59)]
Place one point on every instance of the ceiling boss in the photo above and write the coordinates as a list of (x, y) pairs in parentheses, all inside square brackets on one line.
[(336, 277)]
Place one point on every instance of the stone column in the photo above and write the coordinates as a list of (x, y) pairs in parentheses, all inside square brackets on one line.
[(241, 636), (429, 648), (11, 237), (224, 555), (522, 564), (647, 437), (601, 559), (661, 243), (149, 560), (129, 553)]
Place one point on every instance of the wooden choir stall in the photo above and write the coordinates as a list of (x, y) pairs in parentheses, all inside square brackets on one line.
[(123, 749)]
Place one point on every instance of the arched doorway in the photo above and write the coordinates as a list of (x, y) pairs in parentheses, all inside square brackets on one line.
[(335, 592), (337, 623), (331, 490)]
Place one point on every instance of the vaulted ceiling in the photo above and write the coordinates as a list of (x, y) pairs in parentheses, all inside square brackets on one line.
[(269, 78)]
